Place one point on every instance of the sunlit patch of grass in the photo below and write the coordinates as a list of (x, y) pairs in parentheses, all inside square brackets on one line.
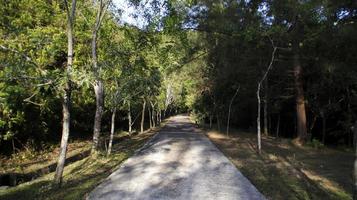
[(79, 177), (36, 163), (284, 171)]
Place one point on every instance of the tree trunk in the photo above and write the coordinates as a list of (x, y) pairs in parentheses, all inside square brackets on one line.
[(98, 84), (210, 121), (218, 123), (266, 107), (229, 110), (66, 103), (278, 127), (258, 119), (300, 99), (355, 162), (323, 127), (112, 130), (65, 136), (153, 114), (143, 117), (99, 96), (258, 95), (129, 118), (13, 146), (311, 127), (150, 119), (158, 117)]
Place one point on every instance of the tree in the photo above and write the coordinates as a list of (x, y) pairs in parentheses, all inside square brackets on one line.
[(71, 10), (98, 83), (258, 94), (229, 110), (114, 99), (142, 116), (299, 96), (354, 129)]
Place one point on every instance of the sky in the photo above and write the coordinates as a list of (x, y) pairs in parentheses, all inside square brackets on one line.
[(134, 15), (128, 12)]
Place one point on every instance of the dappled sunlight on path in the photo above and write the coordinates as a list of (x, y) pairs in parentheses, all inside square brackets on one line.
[(178, 163)]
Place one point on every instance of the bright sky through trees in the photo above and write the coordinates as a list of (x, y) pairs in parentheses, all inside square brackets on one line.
[(128, 12), (136, 15)]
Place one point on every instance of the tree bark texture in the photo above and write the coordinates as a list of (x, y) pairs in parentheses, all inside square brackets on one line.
[(112, 130), (266, 107), (99, 96), (98, 83), (150, 119), (129, 118), (300, 99), (277, 127), (354, 129), (229, 110), (66, 103), (258, 97), (143, 117)]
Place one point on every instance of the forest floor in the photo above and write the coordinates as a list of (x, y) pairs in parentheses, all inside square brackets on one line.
[(82, 172), (287, 171)]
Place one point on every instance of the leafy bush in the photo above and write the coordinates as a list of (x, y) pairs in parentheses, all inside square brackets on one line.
[(316, 144)]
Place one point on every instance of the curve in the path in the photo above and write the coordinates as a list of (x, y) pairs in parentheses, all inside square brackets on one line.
[(178, 163)]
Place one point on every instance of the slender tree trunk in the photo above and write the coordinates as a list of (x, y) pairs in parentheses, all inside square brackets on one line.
[(158, 117), (278, 127), (66, 103), (143, 117), (266, 107), (258, 96), (153, 114), (150, 119), (129, 119), (349, 111), (311, 127), (99, 95), (98, 90), (13, 146), (229, 109), (64, 140), (98, 83), (112, 130), (300, 99), (355, 162), (218, 122), (323, 127), (258, 119), (269, 124), (210, 121)]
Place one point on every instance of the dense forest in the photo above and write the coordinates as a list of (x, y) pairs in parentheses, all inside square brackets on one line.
[(74, 69)]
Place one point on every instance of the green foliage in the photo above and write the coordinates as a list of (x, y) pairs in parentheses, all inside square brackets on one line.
[(315, 144), (191, 58)]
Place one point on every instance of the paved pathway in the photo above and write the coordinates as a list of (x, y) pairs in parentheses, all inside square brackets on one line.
[(178, 163)]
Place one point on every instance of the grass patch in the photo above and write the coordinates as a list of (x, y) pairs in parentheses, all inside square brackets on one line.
[(80, 177), (285, 171)]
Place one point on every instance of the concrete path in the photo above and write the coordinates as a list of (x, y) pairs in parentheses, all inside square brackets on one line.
[(178, 163)]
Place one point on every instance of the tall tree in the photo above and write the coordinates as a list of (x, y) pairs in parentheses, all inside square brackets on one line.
[(98, 82), (71, 10), (299, 86), (143, 116), (258, 94)]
